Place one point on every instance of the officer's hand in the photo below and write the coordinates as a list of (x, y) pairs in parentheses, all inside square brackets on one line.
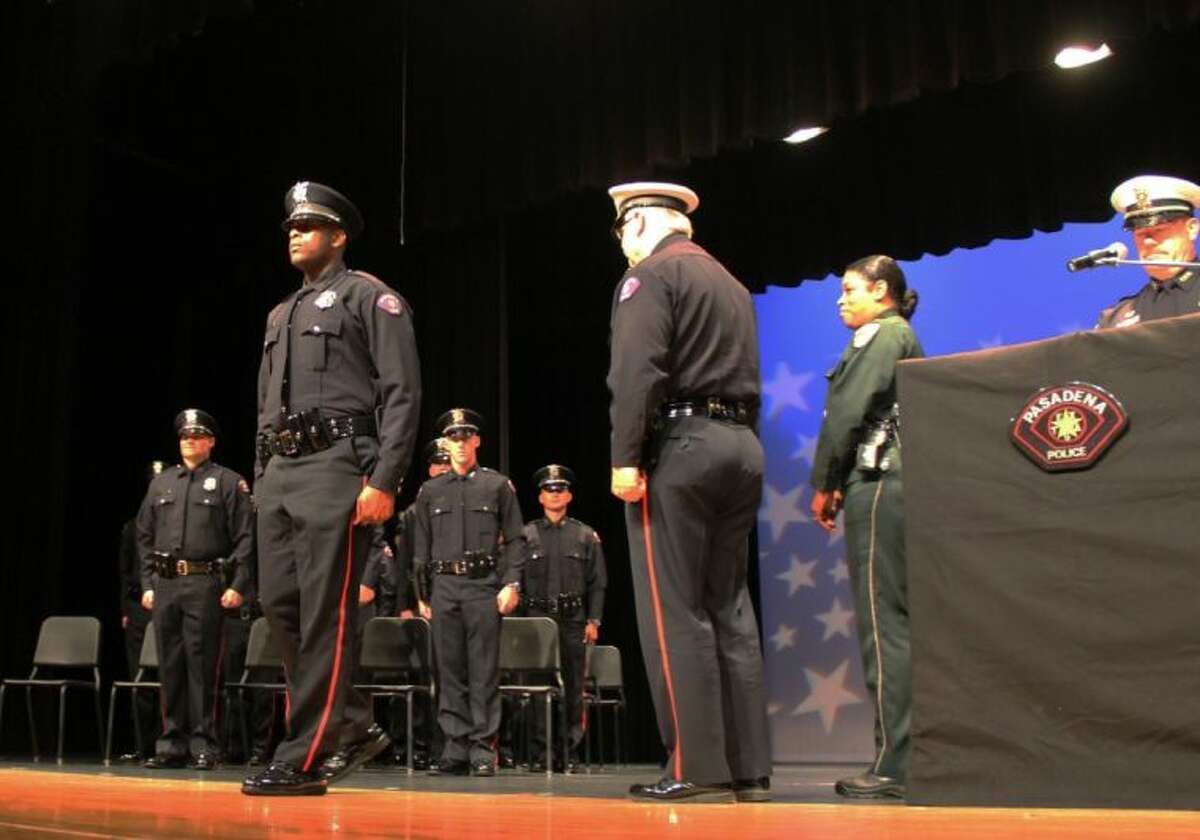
[(231, 599), (148, 599), (373, 506), (124, 622), (365, 595), (507, 599), (407, 614), (628, 483), (825, 507), (591, 632), (426, 612)]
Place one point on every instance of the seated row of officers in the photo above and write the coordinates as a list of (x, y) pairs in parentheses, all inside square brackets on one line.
[(460, 556)]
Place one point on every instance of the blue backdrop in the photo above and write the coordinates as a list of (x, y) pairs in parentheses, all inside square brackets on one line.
[(1008, 292)]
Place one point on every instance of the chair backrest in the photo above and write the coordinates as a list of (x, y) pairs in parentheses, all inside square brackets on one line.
[(396, 644), (68, 641), (528, 644), (603, 668), (261, 651), (149, 656)]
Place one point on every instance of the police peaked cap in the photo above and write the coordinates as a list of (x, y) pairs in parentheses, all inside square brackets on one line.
[(1148, 200), (195, 420), (652, 194), (554, 474), (459, 419), (313, 202), (435, 453)]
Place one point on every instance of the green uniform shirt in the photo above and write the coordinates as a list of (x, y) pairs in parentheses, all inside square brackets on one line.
[(862, 391)]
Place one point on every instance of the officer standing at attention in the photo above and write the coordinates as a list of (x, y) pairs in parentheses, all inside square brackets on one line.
[(468, 531), (134, 620), (195, 523), (565, 578), (1159, 214), (338, 405), (685, 394), (857, 467)]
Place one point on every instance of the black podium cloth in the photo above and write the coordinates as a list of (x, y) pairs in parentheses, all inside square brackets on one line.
[(1055, 616)]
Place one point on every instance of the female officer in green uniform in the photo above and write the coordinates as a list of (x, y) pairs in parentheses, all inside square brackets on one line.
[(857, 468)]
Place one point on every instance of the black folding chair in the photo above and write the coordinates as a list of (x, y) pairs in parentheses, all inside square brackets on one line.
[(65, 643), (529, 649), (604, 688), (142, 681), (262, 659), (402, 647)]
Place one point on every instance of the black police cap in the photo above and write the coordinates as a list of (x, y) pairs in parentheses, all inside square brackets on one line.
[(459, 419), (313, 202), (195, 420), (554, 474), (435, 453)]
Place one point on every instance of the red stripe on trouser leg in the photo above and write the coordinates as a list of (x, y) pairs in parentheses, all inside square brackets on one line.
[(337, 653), (662, 635)]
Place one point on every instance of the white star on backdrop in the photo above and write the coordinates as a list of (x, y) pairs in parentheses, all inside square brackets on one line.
[(840, 571), (786, 389), (780, 510), (827, 694), (806, 449), (836, 621), (798, 575), (784, 637)]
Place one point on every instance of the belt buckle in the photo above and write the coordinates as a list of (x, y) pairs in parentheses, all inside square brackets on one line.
[(288, 445), (181, 567)]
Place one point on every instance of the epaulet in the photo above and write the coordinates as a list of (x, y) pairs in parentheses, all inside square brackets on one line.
[(275, 312), (370, 278)]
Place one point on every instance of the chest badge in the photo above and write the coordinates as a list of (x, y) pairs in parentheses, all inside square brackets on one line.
[(325, 299), (210, 484)]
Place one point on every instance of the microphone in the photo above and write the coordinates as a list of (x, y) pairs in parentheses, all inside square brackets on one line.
[(1105, 256)]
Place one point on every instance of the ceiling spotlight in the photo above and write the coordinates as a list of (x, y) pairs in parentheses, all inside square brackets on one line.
[(1072, 57), (800, 135)]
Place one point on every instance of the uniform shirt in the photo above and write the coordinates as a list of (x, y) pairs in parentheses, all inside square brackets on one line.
[(862, 391), (682, 328), (565, 559), (477, 511), (347, 347), (1178, 296), (199, 514)]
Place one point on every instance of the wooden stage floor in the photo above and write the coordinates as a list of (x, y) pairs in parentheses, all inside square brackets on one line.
[(88, 801)]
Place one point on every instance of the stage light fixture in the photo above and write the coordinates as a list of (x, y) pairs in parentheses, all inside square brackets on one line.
[(800, 135), (1069, 58)]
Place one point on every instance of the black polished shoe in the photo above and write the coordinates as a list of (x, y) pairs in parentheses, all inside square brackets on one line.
[(345, 761), (484, 768), (669, 790), (449, 768), (282, 779), (165, 762), (752, 790), (868, 785), (204, 761)]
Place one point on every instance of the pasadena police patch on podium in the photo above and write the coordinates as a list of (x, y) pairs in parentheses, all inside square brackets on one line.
[(1068, 427)]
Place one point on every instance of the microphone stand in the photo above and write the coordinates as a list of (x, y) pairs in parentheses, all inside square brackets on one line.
[(1112, 261)]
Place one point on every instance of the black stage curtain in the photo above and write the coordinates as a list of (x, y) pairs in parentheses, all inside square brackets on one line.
[(1056, 652)]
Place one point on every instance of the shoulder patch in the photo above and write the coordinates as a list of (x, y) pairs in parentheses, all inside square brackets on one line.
[(864, 334), (390, 304), (595, 536), (628, 289)]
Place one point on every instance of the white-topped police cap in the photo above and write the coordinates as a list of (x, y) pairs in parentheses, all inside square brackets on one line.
[(308, 201), (195, 420), (554, 474), (653, 194), (459, 420), (1148, 200)]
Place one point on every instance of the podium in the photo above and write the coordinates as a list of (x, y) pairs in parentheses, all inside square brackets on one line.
[(1055, 615)]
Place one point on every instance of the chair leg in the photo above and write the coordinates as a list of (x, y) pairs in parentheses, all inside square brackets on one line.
[(619, 742), (566, 733), (100, 729), (242, 722), (62, 721), (600, 736), (549, 740), (112, 708), (408, 730), (32, 725)]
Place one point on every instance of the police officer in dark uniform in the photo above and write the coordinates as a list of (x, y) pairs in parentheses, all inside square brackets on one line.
[(685, 394), (857, 468), (195, 525), (565, 579), (134, 620), (1159, 213), (377, 592), (468, 532), (339, 399)]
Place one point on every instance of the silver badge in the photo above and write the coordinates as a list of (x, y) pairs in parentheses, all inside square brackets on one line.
[(300, 192), (210, 484), (325, 299)]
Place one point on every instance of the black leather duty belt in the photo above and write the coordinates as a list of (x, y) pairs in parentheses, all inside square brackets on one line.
[(169, 567), (472, 565), (562, 605), (713, 407), (307, 432)]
